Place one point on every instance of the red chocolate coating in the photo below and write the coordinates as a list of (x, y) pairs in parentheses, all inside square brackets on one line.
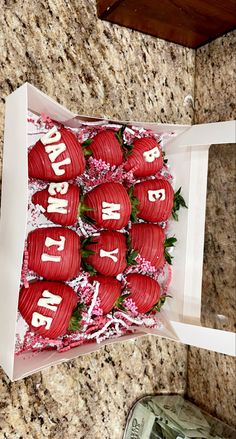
[(105, 146), (108, 241), (144, 291), (28, 304), (69, 265), (148, 240), (109, 291), (111, 193), (64, 219), (158, 210), (40, 165), (136, 160)]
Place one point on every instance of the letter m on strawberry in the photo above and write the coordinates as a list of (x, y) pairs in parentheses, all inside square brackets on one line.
[(110, 211)]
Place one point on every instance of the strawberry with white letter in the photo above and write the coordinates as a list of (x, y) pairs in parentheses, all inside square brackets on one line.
[(54, 253), (57, 156), (47, 307), (105, 253), (145, 158), (155, 201)]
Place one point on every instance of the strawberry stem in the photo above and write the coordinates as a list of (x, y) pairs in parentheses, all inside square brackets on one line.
[(131, 254), (134, 204), (178, 202), (160, 303), (169, 242), (74, 324)]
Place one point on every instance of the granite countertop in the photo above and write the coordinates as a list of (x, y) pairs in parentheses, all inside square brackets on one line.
[(96, 68)]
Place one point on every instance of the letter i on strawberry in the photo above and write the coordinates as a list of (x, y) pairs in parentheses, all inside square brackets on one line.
[(145, 157), (105, 146), (57, 156), (107, 206), (54, 253), (155, 201), (151, 244), (50, 309)]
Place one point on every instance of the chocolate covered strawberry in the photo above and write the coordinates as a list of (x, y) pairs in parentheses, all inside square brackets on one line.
[(105, 252), (144, 291), (150, 242), (57, 156), (145, 158), (105, 146), (60, 202), (155, 201), (54, 253), (110, 206), (108, 293), (47, 307)]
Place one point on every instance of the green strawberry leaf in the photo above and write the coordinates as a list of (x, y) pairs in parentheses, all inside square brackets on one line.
[(131, 254), (119, 134), (160, 303), (87, 267), (134, 204), (170, 242), (74, 324), (178, 202), (87, 143)]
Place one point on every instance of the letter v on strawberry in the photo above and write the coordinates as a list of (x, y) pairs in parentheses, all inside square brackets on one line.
[(54, 253), (57, 156), (155, 201), (105, 146), (145, 157), (50, 308)]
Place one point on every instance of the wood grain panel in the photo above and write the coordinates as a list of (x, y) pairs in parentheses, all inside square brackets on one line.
[(187, 22)]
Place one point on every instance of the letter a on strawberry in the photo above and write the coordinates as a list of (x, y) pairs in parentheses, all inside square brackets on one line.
[(57, 156)]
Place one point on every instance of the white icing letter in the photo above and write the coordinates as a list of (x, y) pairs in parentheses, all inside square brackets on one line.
[(56, 166), (108, 211), (49, 300), (109, 254), (60, 188), (57, 205), (159, 194), (54, 151), (49, 258), (39, 320), (60, 244), (51, 136), (150, 156)]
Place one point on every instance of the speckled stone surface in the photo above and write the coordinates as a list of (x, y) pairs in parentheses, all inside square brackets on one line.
[(215, 85), (90, 66), (211, 376), (90, 397), (96, 68)]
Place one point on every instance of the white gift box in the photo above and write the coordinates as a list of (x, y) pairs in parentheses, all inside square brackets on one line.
[(187, 152)]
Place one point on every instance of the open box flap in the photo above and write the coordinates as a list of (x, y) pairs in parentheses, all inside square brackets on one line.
[(28, 363), (14, 219)]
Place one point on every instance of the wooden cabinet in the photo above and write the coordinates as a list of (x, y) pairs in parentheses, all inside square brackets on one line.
[(190, 23)]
